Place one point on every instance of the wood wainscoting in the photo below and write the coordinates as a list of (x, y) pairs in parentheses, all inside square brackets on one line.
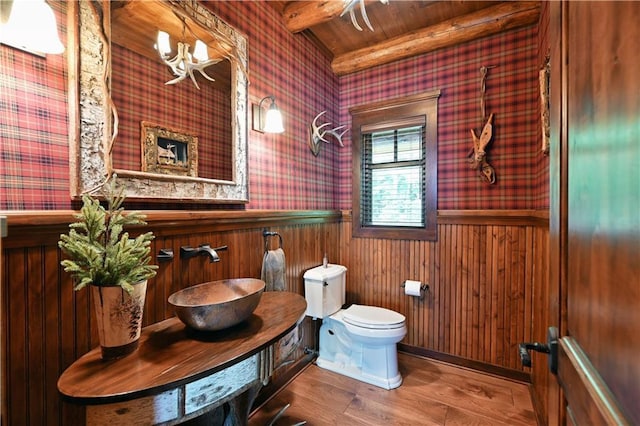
[(484, 273), (487, 277), (47, 325)]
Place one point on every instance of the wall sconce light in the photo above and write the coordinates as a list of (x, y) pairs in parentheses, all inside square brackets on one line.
[(184, 63), (269, 121), (29, 25)]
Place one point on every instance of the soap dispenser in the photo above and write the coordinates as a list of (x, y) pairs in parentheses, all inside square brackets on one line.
[(325, 261)]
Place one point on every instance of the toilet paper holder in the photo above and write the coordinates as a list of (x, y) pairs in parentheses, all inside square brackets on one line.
[(423, 288)]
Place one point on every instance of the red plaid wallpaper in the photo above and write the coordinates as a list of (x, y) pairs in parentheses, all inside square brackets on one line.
[(34, 153), (511, 93), (283, 173), (140, 94), (541, 195)]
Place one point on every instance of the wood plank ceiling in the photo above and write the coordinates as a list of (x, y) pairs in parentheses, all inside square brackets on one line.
[(401, 28)]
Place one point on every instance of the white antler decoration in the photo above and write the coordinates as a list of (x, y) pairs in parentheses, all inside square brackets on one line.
[(182, 65), (318, 134), (350, 5)]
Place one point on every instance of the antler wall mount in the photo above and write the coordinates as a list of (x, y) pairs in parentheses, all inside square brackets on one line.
[(318, 133)]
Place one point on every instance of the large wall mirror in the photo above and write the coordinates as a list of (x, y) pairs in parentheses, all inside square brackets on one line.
[(180, 140)]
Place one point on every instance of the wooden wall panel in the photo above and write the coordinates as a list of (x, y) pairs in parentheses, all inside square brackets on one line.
[(487, 278), (482, 275), (48, 326), (541, 378), (3, 389)]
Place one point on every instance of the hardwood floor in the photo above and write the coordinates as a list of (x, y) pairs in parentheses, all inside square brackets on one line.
[(432, 393)]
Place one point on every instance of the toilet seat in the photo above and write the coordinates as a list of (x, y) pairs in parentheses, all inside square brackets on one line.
[(373, 317)]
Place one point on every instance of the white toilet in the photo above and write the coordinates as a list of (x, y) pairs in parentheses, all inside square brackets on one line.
[(360, 341)]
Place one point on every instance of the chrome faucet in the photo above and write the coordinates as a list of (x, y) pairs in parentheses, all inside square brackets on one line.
[(203, 250)]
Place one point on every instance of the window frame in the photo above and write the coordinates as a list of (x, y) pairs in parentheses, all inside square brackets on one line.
[(387, 113)]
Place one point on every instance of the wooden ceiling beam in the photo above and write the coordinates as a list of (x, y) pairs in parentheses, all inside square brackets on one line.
[(483, 23), (301, 15)]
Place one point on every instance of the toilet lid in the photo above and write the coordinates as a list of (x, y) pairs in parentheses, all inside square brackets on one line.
[(372, 317)]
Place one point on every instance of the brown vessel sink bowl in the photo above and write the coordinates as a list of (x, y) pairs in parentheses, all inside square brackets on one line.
[(217, 305)]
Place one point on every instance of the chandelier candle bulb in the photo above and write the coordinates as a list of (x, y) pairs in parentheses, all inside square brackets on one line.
[(200, 51), (163, 46)]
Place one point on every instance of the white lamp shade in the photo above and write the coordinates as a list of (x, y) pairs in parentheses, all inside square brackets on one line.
[(273, 121), (200, 51), (32, 26), (163, 46)]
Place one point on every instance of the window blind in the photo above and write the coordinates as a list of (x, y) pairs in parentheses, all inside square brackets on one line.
[(393, 174)]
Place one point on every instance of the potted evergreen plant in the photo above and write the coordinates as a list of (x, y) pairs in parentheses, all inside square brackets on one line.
[(115, 266)]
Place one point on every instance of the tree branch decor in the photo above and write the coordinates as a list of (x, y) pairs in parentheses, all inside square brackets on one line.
[(100, 252)]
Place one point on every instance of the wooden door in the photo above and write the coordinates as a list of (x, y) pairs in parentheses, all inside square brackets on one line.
[(597, 209), (3, 233)]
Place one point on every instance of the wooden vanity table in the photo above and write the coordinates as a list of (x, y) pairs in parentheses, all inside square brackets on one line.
[(177, 373)]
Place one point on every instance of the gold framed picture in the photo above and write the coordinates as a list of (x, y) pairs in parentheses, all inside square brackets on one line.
[(168, 151)]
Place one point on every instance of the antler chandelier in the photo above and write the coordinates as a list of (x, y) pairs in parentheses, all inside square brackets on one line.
[(184, 64), (350, 5)]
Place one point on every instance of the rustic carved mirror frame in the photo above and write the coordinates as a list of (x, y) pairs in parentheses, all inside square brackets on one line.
[(94, 121)]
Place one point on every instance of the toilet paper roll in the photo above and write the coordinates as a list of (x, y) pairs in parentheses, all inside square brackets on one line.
[(412, 288)]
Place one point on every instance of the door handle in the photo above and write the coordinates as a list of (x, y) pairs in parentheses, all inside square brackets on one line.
[(550, 348)]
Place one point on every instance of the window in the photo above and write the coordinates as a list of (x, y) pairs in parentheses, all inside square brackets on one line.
[(392, 176), (395, 168)]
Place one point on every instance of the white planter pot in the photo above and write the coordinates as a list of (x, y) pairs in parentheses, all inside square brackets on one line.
[(119, 318)]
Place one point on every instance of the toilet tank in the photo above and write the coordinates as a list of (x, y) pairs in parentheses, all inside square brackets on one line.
[(324, 290)]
